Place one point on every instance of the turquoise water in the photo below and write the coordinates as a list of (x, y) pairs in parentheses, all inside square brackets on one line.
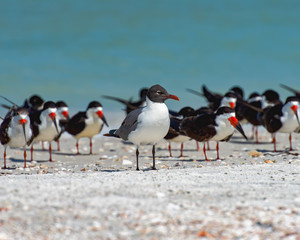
[(79, 50)]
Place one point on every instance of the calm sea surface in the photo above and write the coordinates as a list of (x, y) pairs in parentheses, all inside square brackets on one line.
[(79, 50)]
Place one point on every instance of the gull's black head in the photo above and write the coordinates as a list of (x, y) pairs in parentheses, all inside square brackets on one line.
[(158, 94)]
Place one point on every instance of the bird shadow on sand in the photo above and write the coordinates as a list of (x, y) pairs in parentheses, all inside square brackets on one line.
[(147, 169), (173, 158), (39, 150), (110, 170), (9, 168), (74, 154), (272, 153), (278, 152), (292, 153), (178, 159), (18, 160), (248, 142), (127, 143), (178, 149)]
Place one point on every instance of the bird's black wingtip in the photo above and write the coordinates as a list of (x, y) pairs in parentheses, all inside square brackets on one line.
[(111, 133)]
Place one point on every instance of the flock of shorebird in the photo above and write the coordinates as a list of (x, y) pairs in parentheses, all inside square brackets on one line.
[(149, 120)]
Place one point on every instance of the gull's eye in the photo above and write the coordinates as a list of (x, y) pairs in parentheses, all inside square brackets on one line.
[(159, 92)]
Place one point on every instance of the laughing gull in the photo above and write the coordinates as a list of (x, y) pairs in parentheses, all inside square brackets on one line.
[(149, 124)]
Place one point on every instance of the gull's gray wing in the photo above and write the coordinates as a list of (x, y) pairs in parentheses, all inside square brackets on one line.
[(129, 124)]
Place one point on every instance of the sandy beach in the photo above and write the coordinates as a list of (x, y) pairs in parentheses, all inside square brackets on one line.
[(251, 193)]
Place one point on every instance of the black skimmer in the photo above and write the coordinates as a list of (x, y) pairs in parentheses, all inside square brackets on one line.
[(45, 126), (217, 127), (229, 100), (203, 110), (213, 99), (87, 124), (131, 105), (238, 91), (251, 115), (63, 118), (239, 107), (15, 130), (282, 118), (216, 100), (34, 103), (149, 124), (185, 111), (174, 133), (270, 98)]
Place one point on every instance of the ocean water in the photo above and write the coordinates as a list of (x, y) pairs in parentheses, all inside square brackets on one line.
[(77, 50)]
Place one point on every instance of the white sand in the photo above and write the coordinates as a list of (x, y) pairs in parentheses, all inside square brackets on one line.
[(103, 197)]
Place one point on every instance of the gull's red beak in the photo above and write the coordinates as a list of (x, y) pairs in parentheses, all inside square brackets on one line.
[(232, 104), (173, 97)]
